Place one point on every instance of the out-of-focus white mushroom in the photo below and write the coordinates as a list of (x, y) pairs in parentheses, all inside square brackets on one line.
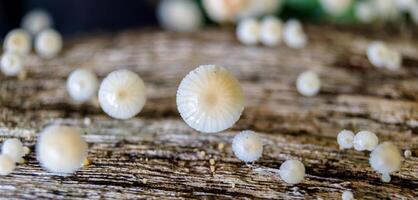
[(180, 15)]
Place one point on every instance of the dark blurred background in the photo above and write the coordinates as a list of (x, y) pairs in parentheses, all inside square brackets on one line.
[(73, 16)]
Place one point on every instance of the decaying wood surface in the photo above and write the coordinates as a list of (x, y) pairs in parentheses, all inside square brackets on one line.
[(156, 155)]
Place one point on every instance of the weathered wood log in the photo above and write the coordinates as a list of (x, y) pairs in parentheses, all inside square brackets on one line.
[(156, 155)]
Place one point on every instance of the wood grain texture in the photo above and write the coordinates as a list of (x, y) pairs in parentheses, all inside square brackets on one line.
[(156, 155)]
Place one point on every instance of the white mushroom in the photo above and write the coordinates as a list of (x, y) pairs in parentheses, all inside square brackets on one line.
[(14, 149), (17, 41), (48, 43), (271, 31), (247, 146), (82, 84), (345, 139), (293, 34), (292, 171), (385, 159), (36, 21), (308, 83), (122, 94), (210, 99), (61, 149), (248, 31), (365, 140), (180, 15), (12, 64)]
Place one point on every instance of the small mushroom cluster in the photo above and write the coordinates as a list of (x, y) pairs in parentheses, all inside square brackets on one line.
[(12, 152), (271, 31), (18, 42), (385, 158), (248, 147)]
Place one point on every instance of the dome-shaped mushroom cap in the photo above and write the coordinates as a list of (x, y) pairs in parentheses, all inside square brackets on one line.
[(48, 43), (247, 146), (82, 84), (210, 99), (13, 148), (365, 140), (17, 41), (122, 94), (61, 149), (292, 171), (386, 158)]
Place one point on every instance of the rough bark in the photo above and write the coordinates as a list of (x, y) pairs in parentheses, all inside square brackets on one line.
[(156, 155)]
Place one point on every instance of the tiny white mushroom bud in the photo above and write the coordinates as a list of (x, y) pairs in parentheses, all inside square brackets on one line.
[(407, 153), (365, 140), (345, 139), (36, 21), (12, 64), (17, 41), (377, 53), (271, 31), (61, 149), (385, 159), (14, 149), (308, 83), (48, 43), (82, 84), (247, 146), (336, 8), (7, 165), (248, 31), (347, 195), (292, 171), (293, 34), (122, 94), (179, 15), (210, 99)]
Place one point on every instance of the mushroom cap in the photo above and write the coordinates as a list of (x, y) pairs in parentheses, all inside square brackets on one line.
[(247, 146), (293, 34), (308, 83), (14, 149), (82, 84), (377, 53), (386, 158), (210, 99), (11, 64), (17, 41), (122, 94), (248, 31), (61, 149), (179, 15), (271, 31), (365, 140), (36, 21), (345, 139), (48, 43), (292, 171)]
